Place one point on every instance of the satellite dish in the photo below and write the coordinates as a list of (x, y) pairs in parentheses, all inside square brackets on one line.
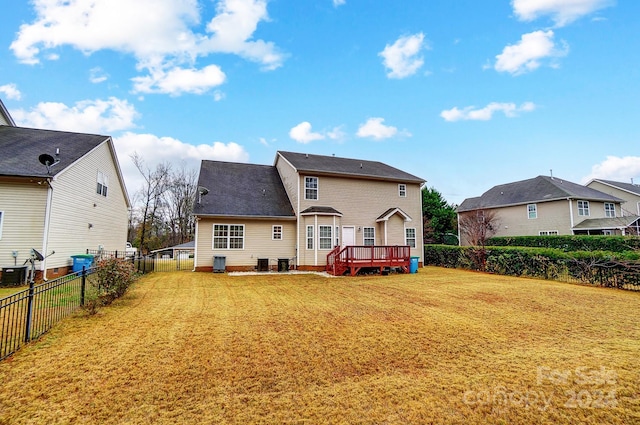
[(46, 160), (36, 254)]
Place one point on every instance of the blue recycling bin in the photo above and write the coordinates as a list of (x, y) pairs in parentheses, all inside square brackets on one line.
[(413, 265), (81, 260)]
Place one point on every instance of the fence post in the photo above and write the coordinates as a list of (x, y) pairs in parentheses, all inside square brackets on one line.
[(83, 285), (27, 330)]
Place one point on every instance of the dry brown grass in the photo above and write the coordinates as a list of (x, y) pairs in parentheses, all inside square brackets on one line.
[(440, 346)]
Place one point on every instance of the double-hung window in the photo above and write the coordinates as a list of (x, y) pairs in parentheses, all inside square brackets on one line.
[(369, 236), (102, 184), (311, 188), (609, 209), (402, 190), (309, 237), (583, 208), (410, 236), (532, 210), (228, 236), (276, 234), (325, 239)]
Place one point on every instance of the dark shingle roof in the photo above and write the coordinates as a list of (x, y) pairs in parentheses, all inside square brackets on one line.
[(320, 164), (607, 223), (321, 210), (629, 187), (20, 148), (246, 190), (538, 189)]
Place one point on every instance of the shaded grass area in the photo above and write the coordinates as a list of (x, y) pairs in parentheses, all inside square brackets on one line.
[(440, 346)]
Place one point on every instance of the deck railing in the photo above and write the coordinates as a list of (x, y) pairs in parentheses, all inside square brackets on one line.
[(354, 258)]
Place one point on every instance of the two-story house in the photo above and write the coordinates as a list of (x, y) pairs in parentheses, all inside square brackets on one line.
[(60, 192), (549, 206), (629, 192), (301, 208)]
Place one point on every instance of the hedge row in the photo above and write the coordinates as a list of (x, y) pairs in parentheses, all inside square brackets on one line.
[(571, 243), (595, 267)]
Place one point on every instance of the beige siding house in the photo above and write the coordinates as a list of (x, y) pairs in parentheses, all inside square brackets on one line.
[(629, 192), (78, 202), (302, 207), (545, 206)]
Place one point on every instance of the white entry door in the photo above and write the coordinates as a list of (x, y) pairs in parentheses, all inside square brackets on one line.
[(348, 236)]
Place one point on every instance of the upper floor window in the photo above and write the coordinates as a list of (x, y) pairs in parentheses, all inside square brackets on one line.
[(410, 237), (311, 188), (102, 184), (583, 208), (228, 236), (532, 210), (325, 239), (609, 209), (402, 190), (277, 233), (369, 236)]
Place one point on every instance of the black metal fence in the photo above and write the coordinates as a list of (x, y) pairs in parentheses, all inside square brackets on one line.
[(26, 315), (182, 260)]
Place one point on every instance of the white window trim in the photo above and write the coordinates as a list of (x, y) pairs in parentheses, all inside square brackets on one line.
[(402, 190), (307, 238), (228, 237), (103, 180), (534, 211), (1, 221), (585, 203), (317, 189), (548, 233), (364, 238), (321, 238), (415, 237), (273, 232), (606, 211)]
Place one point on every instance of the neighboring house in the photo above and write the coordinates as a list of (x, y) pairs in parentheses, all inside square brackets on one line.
[(629, 192), (181, 251), (79, 202), (550, 206), (302, 207)]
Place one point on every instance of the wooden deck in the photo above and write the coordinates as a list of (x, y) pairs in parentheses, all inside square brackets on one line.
[(352, 259)]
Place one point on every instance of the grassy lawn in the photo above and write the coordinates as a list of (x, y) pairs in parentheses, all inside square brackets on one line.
[(6, 291), (440, 346)]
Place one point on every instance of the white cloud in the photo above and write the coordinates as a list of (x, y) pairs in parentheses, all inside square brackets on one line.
[(337, 3), (97, 75), (528, 52), (155, 150), (177, 81), (11, 91), (484, 114), (621, 169), (302, 133), (402, 58), (562, 12), (336, 134), (87, 116), (162, 42), (374, 128)]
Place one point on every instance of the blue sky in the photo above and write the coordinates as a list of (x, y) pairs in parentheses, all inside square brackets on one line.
[(466, 94)]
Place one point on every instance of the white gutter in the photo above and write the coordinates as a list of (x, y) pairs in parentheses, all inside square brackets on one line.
[(571, 214), (298, 224)]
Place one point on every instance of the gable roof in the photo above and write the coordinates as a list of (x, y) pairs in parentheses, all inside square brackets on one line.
[(607, 223), (5, 116), (627, 187), (332, 165), (246, 190), (537, 189), (21, 148)]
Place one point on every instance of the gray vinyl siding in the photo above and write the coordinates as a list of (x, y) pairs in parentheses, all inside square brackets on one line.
[(258, 242), (631, 206), (23, 208), (75, 205), (289, 179)]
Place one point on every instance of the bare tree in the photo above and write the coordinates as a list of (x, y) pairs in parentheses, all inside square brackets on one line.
[(478, 226), (151, 197), (179, 199)]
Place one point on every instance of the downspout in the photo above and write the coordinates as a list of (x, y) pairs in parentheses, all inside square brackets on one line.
[(45, 236), (298, 227), (316, 239), (571, 214), (195, 249)]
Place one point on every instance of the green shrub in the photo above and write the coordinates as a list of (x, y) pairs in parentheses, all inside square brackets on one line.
[(571, 242), (111, 280)]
